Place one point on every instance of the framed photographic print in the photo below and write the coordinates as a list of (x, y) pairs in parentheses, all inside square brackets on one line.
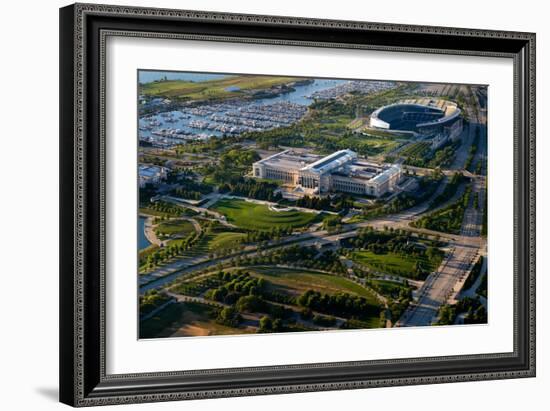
[(260, 204)]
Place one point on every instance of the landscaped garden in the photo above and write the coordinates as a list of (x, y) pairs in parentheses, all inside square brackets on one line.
[(256, 216)]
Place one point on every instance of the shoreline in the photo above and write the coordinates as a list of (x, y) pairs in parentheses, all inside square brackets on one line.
[(149, 232)]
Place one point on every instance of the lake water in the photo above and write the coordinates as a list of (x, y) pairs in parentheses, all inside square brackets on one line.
[(300, 95), (143, 242), (150, 76)]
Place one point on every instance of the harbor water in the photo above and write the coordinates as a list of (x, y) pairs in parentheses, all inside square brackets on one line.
[(185, 120), (143, 242)]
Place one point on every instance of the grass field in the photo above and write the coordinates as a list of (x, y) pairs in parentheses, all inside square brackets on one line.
[(185, 320), (155, 213), (373, 132), (213, 89), (260, 217), (171, 227), (386, 288), (447, 219), (215, 240), (148, 250), (358, 122), (379, 145), (390, 263), (296, 281), (338, 134), (416, 150), (225, 240), (199, 249), (199, 319)]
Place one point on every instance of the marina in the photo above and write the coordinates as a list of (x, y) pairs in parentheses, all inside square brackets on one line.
[(236, 116)]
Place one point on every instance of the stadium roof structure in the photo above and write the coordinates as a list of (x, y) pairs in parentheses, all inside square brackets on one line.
[(413, 115)]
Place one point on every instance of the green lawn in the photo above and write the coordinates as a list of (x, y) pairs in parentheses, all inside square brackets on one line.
[(259, 217), (386, 288), (171, 227), (296, 281), (148, 250), (155, 213), (213, 89), (380, 145), (199, 249), (216, 239), (225, 240), (417, 150), (390, 263)]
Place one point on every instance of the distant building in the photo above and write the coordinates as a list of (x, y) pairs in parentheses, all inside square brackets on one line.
[(341, 171), (151, 174), (432, 118)]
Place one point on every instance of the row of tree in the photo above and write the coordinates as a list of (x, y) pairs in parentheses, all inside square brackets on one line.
[(161, 255), (150, 300), (335, 203), (259, 190), (449, 190), (441, 157), (400, 242), (472, 151), (343, 304), (274, 233), (426, 187), (190, 189), (166, 208), (472, 308), (295, 255), (448, 219)]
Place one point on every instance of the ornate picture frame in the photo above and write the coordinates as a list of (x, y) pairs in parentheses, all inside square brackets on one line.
[(84, 29)]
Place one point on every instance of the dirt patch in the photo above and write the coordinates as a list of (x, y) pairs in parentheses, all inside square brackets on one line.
[(190, 330)]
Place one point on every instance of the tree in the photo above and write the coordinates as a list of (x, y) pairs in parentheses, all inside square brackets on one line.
[(250, 303), (277, 325), (229, 316), (306, 314), (431, 253), (265, 324)]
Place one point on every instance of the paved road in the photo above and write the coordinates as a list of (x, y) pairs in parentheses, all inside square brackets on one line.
[(248, 320), (438, 288), (253, 319), (421, 171), (472, 291), (444, 285), (171, 271)]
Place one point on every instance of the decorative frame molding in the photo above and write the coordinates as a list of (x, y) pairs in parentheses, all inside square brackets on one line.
[(83, 32)]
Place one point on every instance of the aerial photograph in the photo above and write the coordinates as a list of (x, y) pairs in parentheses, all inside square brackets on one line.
[(275, 204)]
